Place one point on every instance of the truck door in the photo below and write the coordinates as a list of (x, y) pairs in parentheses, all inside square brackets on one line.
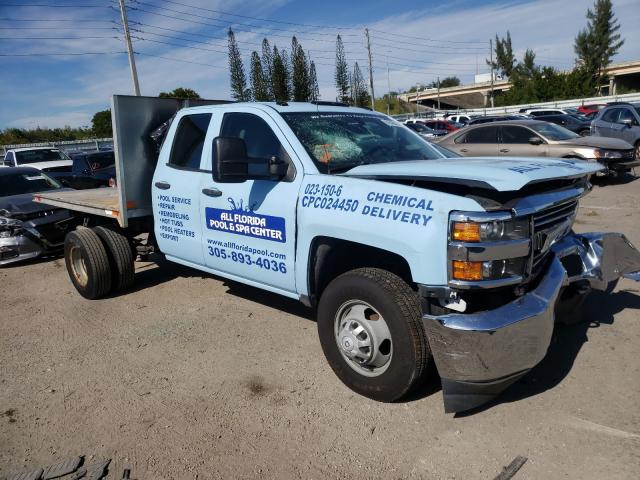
[(249, 228), (515, 141), (176, 189)]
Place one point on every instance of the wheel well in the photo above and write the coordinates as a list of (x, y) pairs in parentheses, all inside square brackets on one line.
[(330, 257)]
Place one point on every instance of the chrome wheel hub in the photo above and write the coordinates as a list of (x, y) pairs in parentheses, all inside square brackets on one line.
[(363, 338)]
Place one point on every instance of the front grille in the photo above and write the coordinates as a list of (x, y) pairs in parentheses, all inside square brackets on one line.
[(549, 225)]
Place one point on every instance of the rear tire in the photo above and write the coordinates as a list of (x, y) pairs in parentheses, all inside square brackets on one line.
[(87, 263), (121, 258), (370, 306)]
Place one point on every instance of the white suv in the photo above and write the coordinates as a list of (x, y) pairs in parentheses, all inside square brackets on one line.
[(46, 159)]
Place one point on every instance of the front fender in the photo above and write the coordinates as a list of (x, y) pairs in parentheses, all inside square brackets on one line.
[(408, 221)]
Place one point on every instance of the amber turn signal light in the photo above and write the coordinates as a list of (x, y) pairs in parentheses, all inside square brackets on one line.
[(466, 231), (471, 271)]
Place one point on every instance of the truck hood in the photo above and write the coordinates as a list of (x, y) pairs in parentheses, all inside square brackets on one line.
[(598, 142), (500, 174), (52, 164)]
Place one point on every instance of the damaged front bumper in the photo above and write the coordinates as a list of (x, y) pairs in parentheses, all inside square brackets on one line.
[(478, 355)]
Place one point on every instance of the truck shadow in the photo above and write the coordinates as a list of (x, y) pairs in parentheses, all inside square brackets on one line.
[(598, 310), (161, 271)]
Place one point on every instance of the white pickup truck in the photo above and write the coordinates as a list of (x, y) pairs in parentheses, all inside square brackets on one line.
[(408, 256)]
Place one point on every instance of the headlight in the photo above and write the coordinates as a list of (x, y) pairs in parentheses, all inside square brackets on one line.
[(490, 231), (487, 270), (9, 226), (601, 153)]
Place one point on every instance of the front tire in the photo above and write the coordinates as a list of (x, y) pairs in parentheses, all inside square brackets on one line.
[(87, 263), (370, 329)]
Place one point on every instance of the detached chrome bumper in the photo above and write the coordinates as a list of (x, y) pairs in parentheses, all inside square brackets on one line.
[(478, 355)]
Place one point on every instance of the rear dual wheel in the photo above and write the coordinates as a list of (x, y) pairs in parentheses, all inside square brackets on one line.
[(98, 261)]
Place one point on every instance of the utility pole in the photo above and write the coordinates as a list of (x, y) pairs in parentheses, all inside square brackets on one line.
[(373, 97), (438, 93), (491, 60), (132, 60), (388, 89)]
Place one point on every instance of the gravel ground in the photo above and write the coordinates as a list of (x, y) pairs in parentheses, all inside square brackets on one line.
[(190, 376)]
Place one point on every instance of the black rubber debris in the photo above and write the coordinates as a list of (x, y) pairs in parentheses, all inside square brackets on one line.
[(65, 467), (32, 475), (510, 470), (97, 470)]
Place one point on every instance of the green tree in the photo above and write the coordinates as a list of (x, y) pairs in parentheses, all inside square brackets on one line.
[(239, 90), (313, 82), (342, 72), (101, 124), (359, 92), (300, 73), (597, 44), (280, 76), (183, 93), (505, 59), (267, 67), (445, 82), (259, 86)]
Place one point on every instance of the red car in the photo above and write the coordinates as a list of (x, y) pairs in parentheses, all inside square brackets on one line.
[(439, 124), (593, 108)]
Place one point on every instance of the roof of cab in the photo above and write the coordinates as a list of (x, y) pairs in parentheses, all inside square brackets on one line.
[(18, 170), (285, 107), (24, 149)]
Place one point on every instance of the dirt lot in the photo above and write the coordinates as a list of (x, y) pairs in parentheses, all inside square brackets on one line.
[(189, 376)]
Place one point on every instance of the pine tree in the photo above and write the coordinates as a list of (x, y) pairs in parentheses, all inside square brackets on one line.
[(300, 73), (342, 72), (267, 68), (258, 82), (505, 59), (280, 75), (239, 89), (360, 94), (599, 42), (313, 82)]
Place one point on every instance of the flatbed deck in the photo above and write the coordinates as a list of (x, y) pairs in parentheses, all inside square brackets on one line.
[(96, 201)]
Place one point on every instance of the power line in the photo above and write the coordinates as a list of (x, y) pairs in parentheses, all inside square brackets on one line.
[(53, 20), (179, 60), (52, 6), (221, 12), (178, 45), (57, 54), (424, 38), (60, 28), (56, 38)]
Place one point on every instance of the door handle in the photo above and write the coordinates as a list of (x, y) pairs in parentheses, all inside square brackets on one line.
[(163, 185), (504, 150), (212, 192), (464, 149)]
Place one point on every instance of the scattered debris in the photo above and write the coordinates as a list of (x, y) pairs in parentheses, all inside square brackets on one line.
[(510, 470), (63, 468)]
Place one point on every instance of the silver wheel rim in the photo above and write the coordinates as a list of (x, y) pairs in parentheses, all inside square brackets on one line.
[(363, 338), (78, 267)]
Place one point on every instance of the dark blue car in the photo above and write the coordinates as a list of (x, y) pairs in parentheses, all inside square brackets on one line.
[(89, 170)]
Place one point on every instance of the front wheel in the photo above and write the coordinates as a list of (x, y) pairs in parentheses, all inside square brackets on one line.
[(370, 328)]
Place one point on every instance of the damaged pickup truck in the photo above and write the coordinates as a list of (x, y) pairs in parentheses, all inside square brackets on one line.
[(409, 257)]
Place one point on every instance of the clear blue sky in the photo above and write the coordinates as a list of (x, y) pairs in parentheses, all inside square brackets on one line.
[(417, 40)]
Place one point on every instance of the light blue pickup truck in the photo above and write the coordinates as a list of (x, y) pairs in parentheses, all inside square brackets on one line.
[(408, 254)]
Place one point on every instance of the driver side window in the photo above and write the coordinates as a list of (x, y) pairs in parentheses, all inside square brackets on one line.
[(260, 140), (516, 135)]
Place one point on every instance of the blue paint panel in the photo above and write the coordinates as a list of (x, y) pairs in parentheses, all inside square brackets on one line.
[(247, 223)]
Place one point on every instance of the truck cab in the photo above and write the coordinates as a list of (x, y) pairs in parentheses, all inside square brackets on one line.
[(408, 257)]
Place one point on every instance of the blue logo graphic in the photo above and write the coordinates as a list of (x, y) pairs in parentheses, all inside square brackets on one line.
[(242, 220)]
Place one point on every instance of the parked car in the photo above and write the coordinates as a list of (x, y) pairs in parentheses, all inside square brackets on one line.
[(436, 124), (89, 170), (29, 229), (538, 112), (425, 131), (46, 159), (591, 109), (462, 119), (535, 138), (494, 118), (622, 121), (570, 122)]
